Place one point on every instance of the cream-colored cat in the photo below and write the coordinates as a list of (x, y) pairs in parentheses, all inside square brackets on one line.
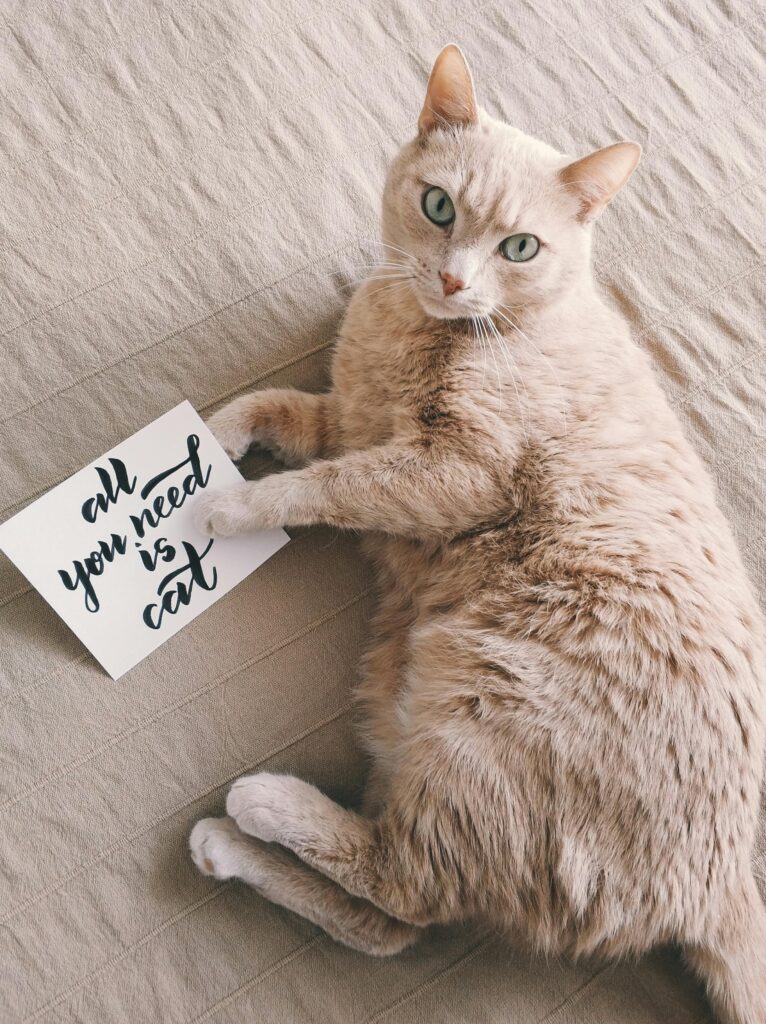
[(564, 699)]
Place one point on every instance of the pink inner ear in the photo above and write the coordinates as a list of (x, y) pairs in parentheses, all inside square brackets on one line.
[(597, 178), (450, 97), (452, 100)]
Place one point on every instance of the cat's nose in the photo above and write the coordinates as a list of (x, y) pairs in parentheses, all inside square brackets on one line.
[(450, 283)]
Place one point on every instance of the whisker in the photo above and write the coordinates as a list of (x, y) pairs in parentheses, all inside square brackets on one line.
[(391, 286), (388, 276), (475, 322), (508, 359), (381, 266), (375, 266), (514, 326), (473, 340), (358, 270), (491, 348), (388, 258), (398, 248), (487, 349)]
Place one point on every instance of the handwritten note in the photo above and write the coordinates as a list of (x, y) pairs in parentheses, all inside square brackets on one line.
[(113, 549)]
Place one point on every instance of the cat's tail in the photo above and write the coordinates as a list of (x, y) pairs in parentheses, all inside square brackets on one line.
[(732, 963)]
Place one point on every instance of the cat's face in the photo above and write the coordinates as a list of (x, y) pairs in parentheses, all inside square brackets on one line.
[(484, 217), (482, 205)]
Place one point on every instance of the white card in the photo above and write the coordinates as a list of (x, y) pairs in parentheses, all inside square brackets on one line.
[(114, 551)]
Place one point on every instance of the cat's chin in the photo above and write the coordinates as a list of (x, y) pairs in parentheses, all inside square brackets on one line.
[(447, 308)]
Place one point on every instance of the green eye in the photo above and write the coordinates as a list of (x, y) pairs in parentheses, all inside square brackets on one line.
[(438, 206), (519, 248)]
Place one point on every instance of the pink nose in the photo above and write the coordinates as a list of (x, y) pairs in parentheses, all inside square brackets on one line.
[(450, 284)]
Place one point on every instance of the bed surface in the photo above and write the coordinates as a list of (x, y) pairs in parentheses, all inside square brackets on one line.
[(188, 191)]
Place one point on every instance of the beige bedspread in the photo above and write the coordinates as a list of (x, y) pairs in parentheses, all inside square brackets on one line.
[(187, 191)]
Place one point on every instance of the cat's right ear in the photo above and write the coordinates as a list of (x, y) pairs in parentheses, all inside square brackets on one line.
[(450, 98), (596, 179)]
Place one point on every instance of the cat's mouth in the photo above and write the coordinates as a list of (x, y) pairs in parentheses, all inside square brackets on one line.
[(450, 307)]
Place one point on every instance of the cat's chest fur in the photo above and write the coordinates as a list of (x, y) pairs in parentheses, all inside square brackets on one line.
[(600, 481), (397, 380)]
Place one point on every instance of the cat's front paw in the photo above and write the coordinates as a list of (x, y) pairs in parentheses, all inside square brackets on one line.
[(257, 505), (214, 844), (224, 512), (233, 427)]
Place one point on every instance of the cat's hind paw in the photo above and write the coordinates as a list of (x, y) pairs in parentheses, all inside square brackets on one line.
[(262, 804), (214, 844)]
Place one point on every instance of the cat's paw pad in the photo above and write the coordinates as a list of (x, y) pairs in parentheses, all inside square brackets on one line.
[(262, 804), (222, 512), (233, 428), (213, 843)]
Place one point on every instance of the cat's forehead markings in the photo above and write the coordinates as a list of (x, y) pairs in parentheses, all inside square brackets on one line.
[(487, 206), (484, 194)]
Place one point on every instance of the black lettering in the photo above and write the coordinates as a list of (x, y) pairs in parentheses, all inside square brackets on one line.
[(198, 477), (180, 594), (112, 488), (93, 565), (150, 517), (162, 550), (174, 497)]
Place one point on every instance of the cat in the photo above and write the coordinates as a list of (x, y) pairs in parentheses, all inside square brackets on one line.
[(564, 697)]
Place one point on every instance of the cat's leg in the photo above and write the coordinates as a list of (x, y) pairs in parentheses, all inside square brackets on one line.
[(389, 864), (218, 848), (732, 959), (294, 426), (440, 842), (399, 489)]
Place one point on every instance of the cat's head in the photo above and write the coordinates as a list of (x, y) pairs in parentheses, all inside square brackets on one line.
[(486, 214)]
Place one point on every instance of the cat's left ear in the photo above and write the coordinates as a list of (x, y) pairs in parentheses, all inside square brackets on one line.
[(596, 179), (450, 98)]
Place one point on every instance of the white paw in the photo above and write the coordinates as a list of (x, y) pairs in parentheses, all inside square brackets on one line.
[(252, 505), (223, 512), (215, 845), (233, 428), (263, 804)]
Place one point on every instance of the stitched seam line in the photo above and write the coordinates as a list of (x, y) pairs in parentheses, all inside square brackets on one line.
[(662, 321), (40, 683), (16, 694), (186, 911), (202, 691), (142, 101), (574, 997), (674, 225), (178, 331), (215, 226), (699, 300), (640, 80), (125, 841), (10, 598), (124, 954), (286, 364), (679, 58), (726, 372), (162, 94), (737, 27), (429, 983), (253, 982)]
